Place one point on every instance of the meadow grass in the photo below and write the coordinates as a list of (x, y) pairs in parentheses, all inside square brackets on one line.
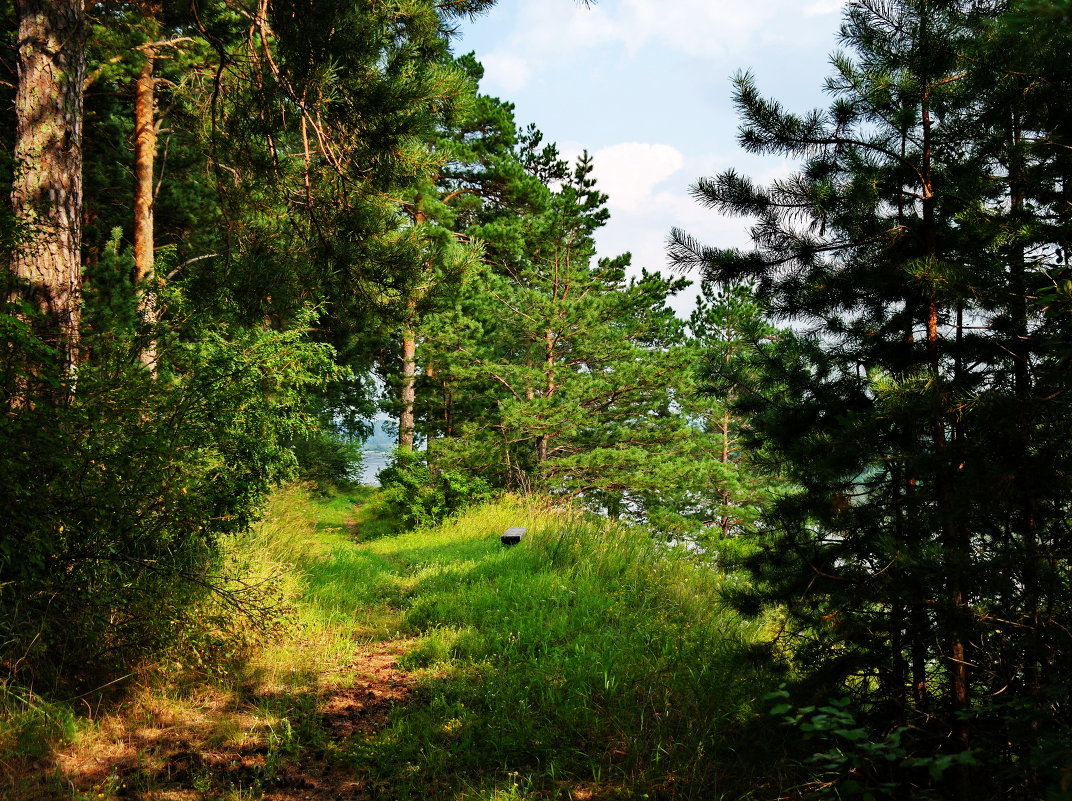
[(587, 662), (587, 656)]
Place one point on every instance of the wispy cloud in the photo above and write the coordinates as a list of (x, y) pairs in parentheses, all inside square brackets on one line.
[(570, 33), (506, 72), (629, 172), (824, 7)]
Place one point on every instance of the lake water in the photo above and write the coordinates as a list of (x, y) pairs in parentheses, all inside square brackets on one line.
[(374, 462)]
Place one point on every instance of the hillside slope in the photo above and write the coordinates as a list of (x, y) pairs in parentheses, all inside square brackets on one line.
[(586, 662)]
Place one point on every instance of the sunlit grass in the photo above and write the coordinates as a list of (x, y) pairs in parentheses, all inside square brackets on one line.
[(589, 653), (587, 662)]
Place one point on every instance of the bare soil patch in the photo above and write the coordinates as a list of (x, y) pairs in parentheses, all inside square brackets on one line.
[(219, 744)]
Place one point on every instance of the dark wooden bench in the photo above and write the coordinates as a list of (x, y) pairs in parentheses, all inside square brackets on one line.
[(513, 535)]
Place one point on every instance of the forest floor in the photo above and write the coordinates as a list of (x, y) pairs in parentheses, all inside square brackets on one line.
[(434, 664), (217, 748)]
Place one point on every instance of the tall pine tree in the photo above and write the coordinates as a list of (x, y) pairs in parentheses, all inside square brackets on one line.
[(920, 558)]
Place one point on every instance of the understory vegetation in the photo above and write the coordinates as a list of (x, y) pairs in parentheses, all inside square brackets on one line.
[(809, 541), (577, 664)]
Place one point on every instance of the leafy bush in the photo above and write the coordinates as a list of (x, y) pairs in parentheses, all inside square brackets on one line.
[(858, 763), (328, 459), (116, 499), (419, 495)]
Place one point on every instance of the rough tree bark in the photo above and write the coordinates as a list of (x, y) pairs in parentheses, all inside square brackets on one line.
[(46, 196), (144, 165)]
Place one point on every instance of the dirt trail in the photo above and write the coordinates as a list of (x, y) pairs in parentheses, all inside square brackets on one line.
[(361, 709), (215, 744)]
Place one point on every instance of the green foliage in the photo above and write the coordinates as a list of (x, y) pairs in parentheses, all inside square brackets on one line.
[(122, 492), (117, 501), (420, 495), (856, 762), (917, 401), (728, 329)]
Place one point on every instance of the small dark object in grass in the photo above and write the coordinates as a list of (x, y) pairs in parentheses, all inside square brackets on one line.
[(513, 535)]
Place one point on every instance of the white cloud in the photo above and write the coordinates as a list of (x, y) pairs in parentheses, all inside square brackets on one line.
[(629, 172), (507, 72), (820, 7), (654, 181), (694, 27), (569, 150), (643, 225), (689, 27)]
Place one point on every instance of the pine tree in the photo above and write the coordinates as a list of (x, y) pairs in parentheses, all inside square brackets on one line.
[(481, 181), (907, 403), (46, 194), (729, 332), (564, 373)]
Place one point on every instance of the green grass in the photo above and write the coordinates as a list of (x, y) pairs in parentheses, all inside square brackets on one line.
[(586, 662), (587, 655)]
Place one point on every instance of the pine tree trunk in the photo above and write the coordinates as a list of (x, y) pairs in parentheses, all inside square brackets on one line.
[(409, 380), (954, 538), (725, 522), (448, 411), (46, 196), (920, 635), (549, 389), (144, 158), (1019, 346)]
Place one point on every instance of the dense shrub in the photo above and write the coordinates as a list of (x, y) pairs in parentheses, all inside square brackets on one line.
[(328, 459), (419, 495), (116, 498)]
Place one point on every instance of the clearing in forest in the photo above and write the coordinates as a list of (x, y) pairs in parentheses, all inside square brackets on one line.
[(439, 664)]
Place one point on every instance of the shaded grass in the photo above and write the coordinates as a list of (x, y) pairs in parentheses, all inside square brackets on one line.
[(586, 662), (588, 654)]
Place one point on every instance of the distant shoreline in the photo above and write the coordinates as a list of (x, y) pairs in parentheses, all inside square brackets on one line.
[(372, 462)]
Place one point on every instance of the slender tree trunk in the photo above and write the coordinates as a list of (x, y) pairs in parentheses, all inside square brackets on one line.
[(725, 522), (448, 411), (541, 448), (46, 196), (954, 539), (919, 633), (448, 403), (430, 435), (549, 389), (1026, 522), (409, 379), (144, 159)]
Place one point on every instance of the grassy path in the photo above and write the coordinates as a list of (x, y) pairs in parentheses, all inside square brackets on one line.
[(585, 663)]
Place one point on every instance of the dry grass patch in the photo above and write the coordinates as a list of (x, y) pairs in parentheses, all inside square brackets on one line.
[(272, 743)]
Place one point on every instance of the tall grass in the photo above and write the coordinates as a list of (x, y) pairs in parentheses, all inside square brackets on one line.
[(587, 662), (587, 654), (243, 674), (307, 543)]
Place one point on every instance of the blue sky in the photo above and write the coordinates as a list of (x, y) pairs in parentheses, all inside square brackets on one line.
[(644, 86)]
